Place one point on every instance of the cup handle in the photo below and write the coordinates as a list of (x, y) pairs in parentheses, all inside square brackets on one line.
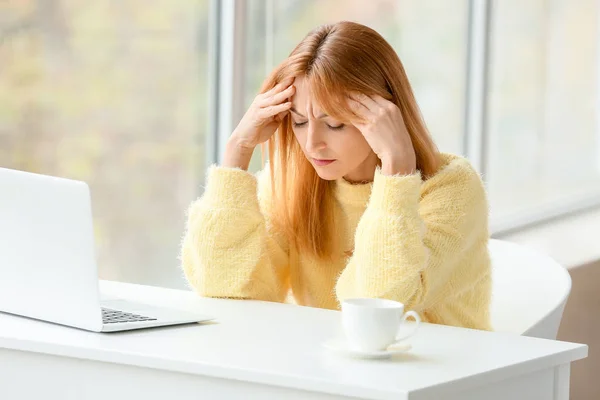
[(417, 319)]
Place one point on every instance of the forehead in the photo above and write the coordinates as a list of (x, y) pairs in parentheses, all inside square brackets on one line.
[(302, 98)]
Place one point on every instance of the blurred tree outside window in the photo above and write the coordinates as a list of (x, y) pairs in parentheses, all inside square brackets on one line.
[(113, 93)]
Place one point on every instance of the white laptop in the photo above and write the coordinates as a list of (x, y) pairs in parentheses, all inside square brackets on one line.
[(47, 260)]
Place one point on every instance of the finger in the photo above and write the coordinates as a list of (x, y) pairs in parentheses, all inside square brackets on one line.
[(388, 106), (279, 87), (270, 111), (281, 115), (279, 97), (367, 102), (383, 103), (360, 109)]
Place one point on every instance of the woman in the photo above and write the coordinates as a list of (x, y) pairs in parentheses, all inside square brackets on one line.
[(356, 202)]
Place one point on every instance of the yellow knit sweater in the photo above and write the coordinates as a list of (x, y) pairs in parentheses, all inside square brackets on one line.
[(423, 243)]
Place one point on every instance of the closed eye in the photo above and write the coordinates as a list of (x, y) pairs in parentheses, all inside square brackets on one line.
[(336, 128), (333, 128)]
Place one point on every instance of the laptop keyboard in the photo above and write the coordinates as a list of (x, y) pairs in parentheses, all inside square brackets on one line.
[(110, 316)]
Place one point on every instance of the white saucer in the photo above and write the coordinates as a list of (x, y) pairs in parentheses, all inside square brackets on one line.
[(340, 346)]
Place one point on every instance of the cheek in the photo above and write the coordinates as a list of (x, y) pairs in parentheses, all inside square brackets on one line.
[(299, 137), (353, 144)]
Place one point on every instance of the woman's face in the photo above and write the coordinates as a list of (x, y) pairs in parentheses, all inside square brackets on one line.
[(336, 149)]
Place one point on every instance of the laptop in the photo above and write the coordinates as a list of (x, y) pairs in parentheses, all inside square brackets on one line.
[(48, 269)]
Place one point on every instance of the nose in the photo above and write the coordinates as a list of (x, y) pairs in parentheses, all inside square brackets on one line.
[(315, 140)]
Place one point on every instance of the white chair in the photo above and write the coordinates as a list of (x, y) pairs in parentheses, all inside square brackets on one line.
[(529, 291)]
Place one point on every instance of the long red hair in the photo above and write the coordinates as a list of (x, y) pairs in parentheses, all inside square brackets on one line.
[(335, 60)]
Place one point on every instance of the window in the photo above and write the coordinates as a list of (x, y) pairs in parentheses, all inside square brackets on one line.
[(544, 135), (437, 74), (112, 93), (541, 135), (117, 94)]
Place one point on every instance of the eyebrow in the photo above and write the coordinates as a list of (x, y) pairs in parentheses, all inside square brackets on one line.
[(296, 112)]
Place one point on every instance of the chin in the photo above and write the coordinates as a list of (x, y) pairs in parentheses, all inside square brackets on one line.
[(328, 175)]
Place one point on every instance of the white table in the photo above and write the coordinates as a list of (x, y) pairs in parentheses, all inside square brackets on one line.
[(260, 350)]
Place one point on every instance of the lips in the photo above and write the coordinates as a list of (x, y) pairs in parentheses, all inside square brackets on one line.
[(322, 162)]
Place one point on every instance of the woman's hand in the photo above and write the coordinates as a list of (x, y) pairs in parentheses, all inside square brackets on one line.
[(383, 127), (258, 124)]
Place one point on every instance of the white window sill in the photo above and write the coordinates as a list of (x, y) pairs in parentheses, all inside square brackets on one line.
[(572, 241)]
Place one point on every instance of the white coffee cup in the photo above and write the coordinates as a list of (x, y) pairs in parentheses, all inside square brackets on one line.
[(373, 324)]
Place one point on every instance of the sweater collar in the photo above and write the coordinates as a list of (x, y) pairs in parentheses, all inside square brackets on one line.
[(352, 193)]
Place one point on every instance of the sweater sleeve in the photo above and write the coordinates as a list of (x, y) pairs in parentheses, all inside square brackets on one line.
[(410, 241), (229, 249)]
